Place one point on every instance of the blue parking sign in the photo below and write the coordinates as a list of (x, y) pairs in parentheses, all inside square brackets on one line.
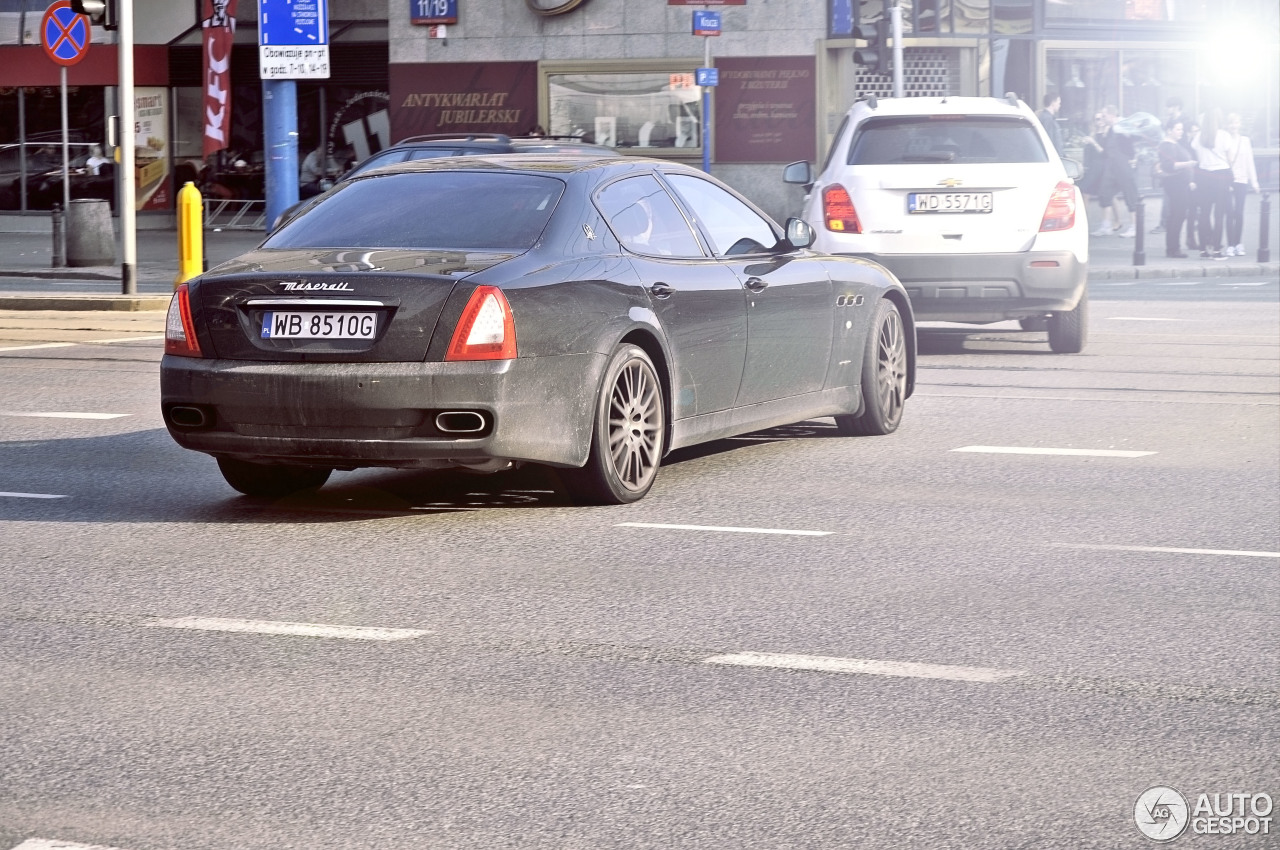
[(707, 76)]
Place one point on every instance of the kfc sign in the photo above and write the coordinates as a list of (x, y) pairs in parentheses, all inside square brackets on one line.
[(218, 19)]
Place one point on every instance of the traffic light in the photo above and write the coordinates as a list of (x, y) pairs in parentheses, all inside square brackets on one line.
[(101, 12), (875, 56)]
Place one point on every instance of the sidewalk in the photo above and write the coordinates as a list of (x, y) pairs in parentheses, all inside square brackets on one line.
[(28, 255)]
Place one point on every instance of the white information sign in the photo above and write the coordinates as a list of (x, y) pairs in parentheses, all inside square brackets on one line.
[(293, 39), (293, 62)]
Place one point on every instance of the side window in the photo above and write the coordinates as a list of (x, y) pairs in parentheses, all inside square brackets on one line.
[(733, 226), (646, 220)]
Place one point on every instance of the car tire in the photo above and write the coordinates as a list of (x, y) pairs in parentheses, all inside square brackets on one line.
[(884, 377), (1069, 329), (266, 479), (628, 433)]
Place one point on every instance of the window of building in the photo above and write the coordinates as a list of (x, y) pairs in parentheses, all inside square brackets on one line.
[(639, 105)]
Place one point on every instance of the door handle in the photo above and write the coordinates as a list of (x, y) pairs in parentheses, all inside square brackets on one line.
[(755, 284), (661, 290)]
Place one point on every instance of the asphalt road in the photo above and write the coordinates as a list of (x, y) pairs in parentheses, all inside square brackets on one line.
[(1052, 589)]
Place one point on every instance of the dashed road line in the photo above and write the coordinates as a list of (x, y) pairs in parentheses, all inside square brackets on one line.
[(726, 528), (39, 345), (147, 338), (270, 627), (1175, 550), (55, 844), (829, 664), (62, 414), (1025, 450), (30, 496)]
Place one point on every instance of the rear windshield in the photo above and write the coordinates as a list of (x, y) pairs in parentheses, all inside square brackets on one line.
[(472, 210), (946, 138)]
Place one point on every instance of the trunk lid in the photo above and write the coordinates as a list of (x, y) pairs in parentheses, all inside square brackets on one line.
[(327, 306)]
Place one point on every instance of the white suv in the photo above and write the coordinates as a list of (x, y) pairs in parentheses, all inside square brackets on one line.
[(967, 202)]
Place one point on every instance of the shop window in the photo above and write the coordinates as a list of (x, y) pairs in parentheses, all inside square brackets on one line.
[(1077, 11), (625, 108)]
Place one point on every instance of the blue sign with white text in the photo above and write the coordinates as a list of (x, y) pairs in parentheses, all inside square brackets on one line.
[(433, 11), (706, 23), (707, 76), (293, 23)]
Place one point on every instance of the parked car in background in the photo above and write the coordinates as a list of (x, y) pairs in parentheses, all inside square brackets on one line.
[(585, 312), (966, 201)]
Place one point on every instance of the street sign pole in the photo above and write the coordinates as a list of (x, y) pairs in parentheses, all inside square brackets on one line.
[(706, 109), (66, 160), (128, 138), (707, 25)]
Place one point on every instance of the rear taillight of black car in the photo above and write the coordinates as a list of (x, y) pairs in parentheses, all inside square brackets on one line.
[(179, 329)]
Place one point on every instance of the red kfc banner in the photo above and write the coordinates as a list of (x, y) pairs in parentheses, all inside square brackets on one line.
[(218, 18)]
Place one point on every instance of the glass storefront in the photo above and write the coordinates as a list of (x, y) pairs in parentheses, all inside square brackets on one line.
[(642, 109)]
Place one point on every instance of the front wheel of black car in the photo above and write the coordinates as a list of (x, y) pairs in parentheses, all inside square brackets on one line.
[(264, 479), (627, 434), (884, 377), (1068, 330)]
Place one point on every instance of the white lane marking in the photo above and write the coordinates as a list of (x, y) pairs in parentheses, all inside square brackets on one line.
[(723, 528), (1139, 319), (1084, 398), (270, 627), (30, 496), (1249, 283), (63, 415), (41, 345), (147, 338), (1023, 450), (828, 664), (55, 844), (1180, 283), (1172, 549)]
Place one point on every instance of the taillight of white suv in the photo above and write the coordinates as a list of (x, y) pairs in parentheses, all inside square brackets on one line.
[(1060, 214), (837, 210)]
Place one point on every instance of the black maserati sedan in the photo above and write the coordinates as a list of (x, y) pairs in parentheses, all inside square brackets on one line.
[(587, 313)]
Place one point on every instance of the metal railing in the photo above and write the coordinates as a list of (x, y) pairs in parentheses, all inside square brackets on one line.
[(234, 214)]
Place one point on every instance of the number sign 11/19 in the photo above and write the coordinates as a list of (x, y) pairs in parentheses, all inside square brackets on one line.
[(433, 11)]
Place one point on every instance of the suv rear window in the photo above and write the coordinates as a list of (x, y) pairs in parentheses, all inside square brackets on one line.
[(470, 210), (897, 140)]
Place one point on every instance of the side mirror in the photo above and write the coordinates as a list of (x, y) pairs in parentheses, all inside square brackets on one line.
[(800, 233), (1073, 169), (798, 172)]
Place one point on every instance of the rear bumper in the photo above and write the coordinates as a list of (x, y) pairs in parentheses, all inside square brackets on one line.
[(350, 415), (988, 287)]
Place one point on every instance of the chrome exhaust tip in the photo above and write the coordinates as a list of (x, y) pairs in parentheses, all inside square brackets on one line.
[(461, 422)]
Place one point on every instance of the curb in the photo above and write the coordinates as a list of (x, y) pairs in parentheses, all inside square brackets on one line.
[(81, 303), (80, 273), (1184, 271)]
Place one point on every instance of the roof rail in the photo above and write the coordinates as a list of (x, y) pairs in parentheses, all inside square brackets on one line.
[(1011, 98), (870, 100), (466, 137)]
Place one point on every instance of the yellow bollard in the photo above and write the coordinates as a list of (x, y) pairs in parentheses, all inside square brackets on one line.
[(190, 234)]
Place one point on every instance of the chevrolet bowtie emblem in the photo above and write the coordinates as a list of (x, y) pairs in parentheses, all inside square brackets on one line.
[(951, 182)]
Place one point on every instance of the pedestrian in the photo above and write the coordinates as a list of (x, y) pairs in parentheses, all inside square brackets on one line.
[(1049, 118), (1244, 174), (1117, 172), (1191, 130), (1213, 182), (1172, 110), (318, 168), (1176, 166), (96, 160), (1093, 182)]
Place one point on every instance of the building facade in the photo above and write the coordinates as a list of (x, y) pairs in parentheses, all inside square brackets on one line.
[(621, 72)]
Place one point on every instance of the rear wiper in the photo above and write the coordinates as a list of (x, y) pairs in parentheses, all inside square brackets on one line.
[(938, 156)]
